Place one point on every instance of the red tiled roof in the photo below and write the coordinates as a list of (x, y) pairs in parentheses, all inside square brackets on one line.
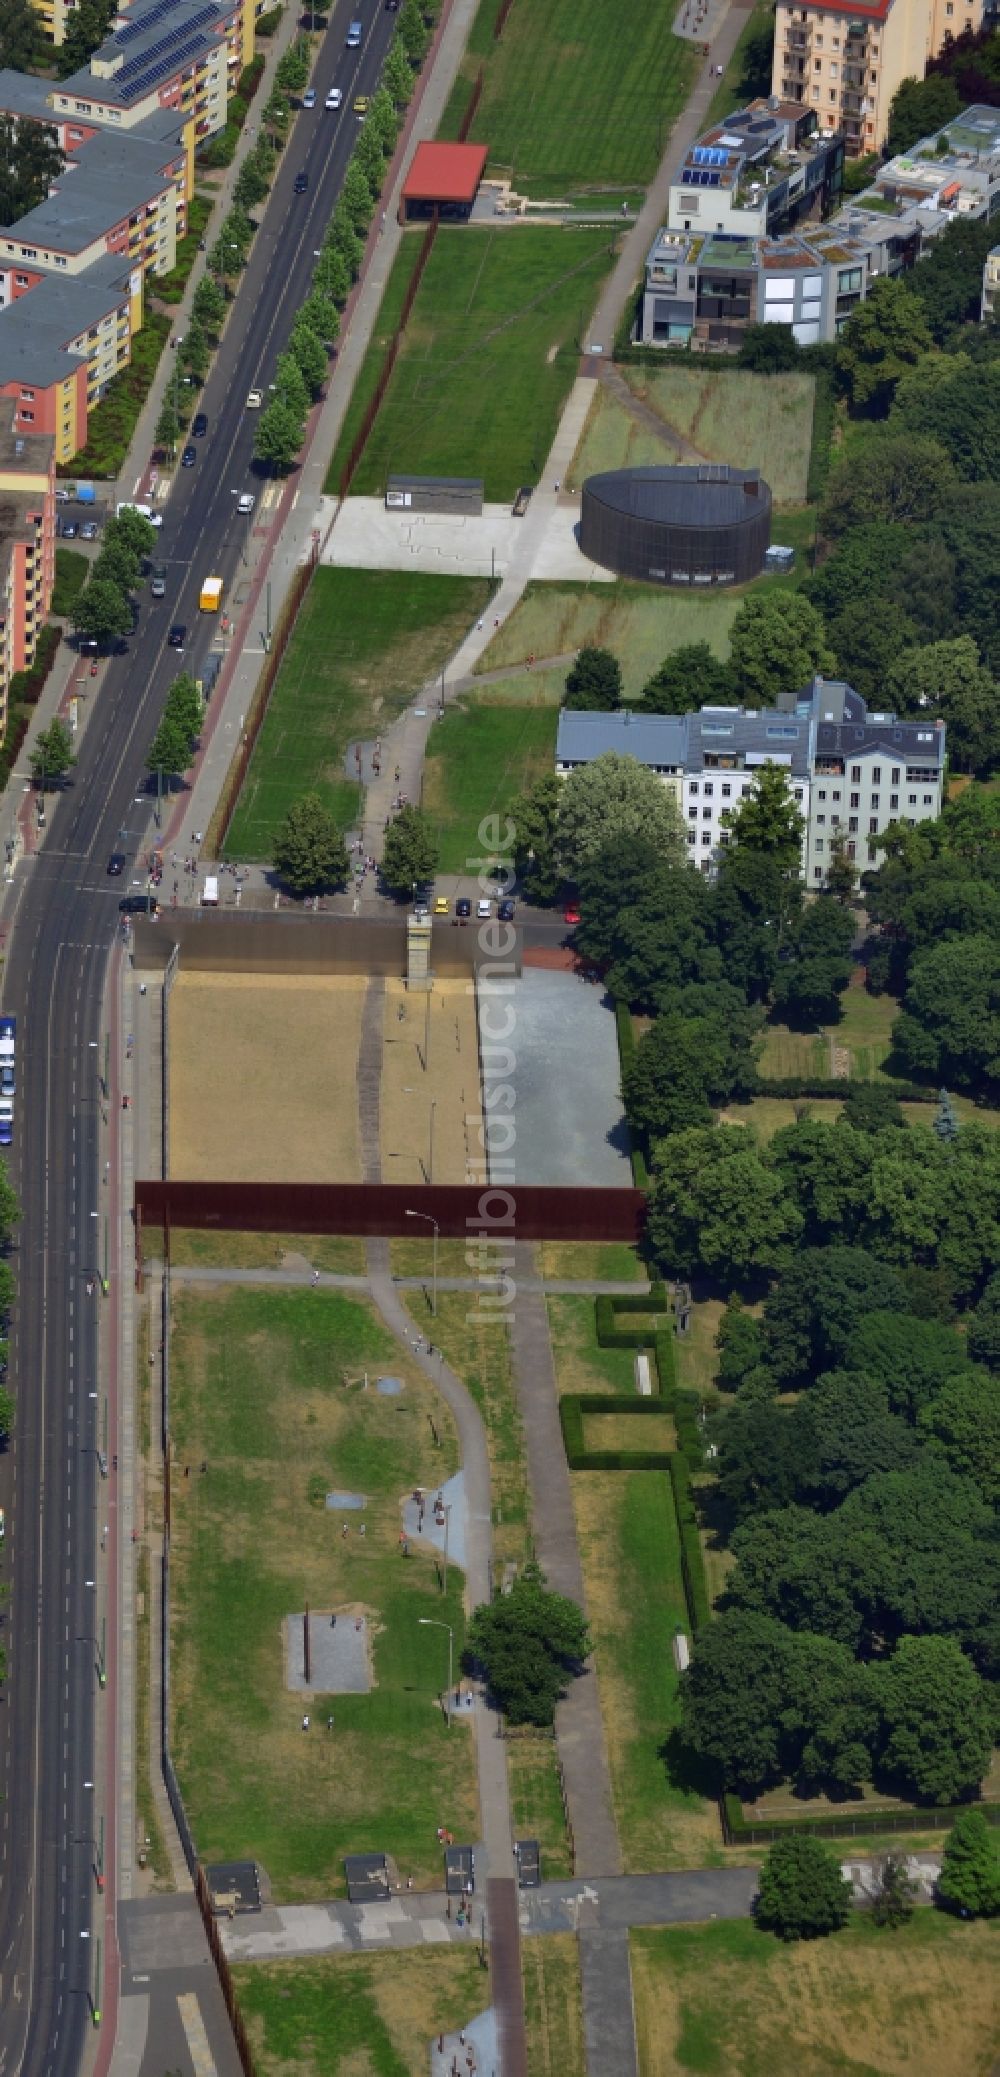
[(445, 173)]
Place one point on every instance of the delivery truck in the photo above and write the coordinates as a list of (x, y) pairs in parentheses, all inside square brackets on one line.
[(211, 594)]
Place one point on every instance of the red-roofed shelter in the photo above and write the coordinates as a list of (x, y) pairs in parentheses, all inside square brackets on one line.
[(443, 181)]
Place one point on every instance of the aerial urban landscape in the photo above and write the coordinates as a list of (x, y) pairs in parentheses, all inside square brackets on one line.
[(499, 1038)]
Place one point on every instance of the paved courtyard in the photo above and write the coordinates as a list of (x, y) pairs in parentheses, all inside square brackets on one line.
[(367, 537), (566, 1125)]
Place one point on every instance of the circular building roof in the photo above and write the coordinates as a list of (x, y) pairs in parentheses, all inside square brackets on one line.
[(707, 494)]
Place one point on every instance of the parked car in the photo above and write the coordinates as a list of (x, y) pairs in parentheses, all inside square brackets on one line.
[(6, 1140), (89, 530), (420, 908), (484, 908), (69, 530), (361, 104), (158, 581), (309, 98), (189, 457), (8, 1079), (177, 636), (199, 425), (440, 905), (116, 865), (506, 912), (571, 913), (335, 98), (463, 909), (245, 501)]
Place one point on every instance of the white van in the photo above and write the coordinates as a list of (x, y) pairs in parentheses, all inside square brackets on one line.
[(210, 893)]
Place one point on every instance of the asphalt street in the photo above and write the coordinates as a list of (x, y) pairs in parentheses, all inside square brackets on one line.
[(65, 925)]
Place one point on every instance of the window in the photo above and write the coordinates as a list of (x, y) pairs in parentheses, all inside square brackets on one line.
[(818, 845), (895, 775), (20, 281), (822, 793), (874, 800), (836, 795), (690, 836), (928, 800), (705, 839), (911, 800), (893, 802), (819, 819), (855, 800), (852, 823), (855, 775), (817, 872), (726, 791), (28, 396), (692, 814), (873, 825), (709, 788), (798, 794), (876, 775), (28, 417), (706, 814), (694, 785)]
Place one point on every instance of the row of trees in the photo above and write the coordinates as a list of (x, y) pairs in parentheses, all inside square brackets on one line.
[(105, 608), (175, 741), (804, 1895)]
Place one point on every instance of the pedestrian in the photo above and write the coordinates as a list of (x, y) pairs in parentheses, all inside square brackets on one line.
[(305, 1723), (343, 1529), (557, 483), (315, 1278), (333, 1622)]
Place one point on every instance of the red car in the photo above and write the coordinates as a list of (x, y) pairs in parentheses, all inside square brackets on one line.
[(571, 914)]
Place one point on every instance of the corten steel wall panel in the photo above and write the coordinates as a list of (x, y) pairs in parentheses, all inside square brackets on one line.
[(290, 944), (381, 1208)]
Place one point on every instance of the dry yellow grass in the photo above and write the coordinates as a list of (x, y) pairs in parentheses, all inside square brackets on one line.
[(213, 1249), (430, 1057), (920, 2002), (550, 1973), (625, 1432), (263, 1077)]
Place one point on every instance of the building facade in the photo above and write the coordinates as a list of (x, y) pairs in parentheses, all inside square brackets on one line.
[(990, 307), (762, 170), (27, 547), (850, 772), (846, 61)]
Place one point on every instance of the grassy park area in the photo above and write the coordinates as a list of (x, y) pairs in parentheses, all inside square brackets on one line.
[(269, 1412), (569, 104), (488, 357), (363, 645), (640, 624), (374, 2015), (727, 415), (478, 758), (475, 1342), (580, 1362), (550, 1973), (917, 2002), (630, 1554)]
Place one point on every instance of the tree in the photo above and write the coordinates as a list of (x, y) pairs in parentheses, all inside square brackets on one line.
[(535, 817), (955, 400), (409, 853), (936, 1725), (841, 873), (290, 385), (6, 1415), (278, 434), (919, 107), (309, 851), (194, 352), (293, 67), (369, 154), (208, 305), (777, 645), (168, 427), (382, 118), (684, 1067), (692, 676), (319, 313), (594, 681), (912, 1358), (871, 1107), (768, 349), (53, 755), (18, 36), (117, 565), (716, 1206), (732, 1697), (813, 1313), (949, 281), (802, 1894), (332, 276), (945, 1122), (883, 337), (767, 820), (30, 161), (963, 1421), (893, 478), (827, 1170), (610, 798), (740, 1345), (946, 679), (895, 1890), (185, 706), (648, 921), (412, 32), (950, 1027), (102, 611), (86, 27), (356, 198), (397, 74), (983, 1327), (133, 530), (309, 355), (170, 750), (969, 1881), (529, 1643), (852, 1434)]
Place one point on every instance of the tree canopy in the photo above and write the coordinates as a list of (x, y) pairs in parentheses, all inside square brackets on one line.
[(594, 681), (309, 850), (530, 1643), (803, 1894), (611, 798)]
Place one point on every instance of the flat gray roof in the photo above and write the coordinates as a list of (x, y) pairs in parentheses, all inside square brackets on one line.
[(34, 331), (655, 739), (768, 733), (152, 45), (112, 177)]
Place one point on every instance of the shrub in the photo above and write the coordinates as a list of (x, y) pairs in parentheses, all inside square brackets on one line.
[(71, 576), (692, 1561)]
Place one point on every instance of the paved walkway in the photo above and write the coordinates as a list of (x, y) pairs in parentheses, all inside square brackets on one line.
[(344, 1280)]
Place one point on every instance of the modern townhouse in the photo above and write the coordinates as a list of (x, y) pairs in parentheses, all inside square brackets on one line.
[(850, 772), (846, 60)]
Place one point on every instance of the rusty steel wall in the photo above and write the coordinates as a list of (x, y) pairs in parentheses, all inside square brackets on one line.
[(286, 943), (372, 1209)]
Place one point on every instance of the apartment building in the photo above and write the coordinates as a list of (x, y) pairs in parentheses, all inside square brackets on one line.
[(990, 307), (61, 344), (703, 287), (850, 772), (762, 170), (846, 61), (27, 546)]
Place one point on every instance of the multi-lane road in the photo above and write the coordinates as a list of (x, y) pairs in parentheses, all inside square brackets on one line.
[(64, 928)]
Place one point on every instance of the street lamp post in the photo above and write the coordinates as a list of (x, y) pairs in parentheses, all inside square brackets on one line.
[(434, 1258), (431, 1622)]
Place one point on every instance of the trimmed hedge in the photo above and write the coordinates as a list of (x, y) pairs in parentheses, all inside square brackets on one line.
[(610, 1335), (572, 1413), (626, 1055), (837, 1086), (737, 1831), (692, 1561)]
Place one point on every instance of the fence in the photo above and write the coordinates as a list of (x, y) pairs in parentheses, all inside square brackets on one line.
[(375, 401), (224, 1973), (738, 1830), (474, 98)]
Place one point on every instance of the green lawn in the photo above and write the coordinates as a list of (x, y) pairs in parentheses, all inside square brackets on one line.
[(576, 97), (640, 623), (488, 358), (630, 1553), (725, 1998), (267, 1394), (374, 2015), (726, 414), (536, 1807), (581, 1364), (363, 645), (478, 757)]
